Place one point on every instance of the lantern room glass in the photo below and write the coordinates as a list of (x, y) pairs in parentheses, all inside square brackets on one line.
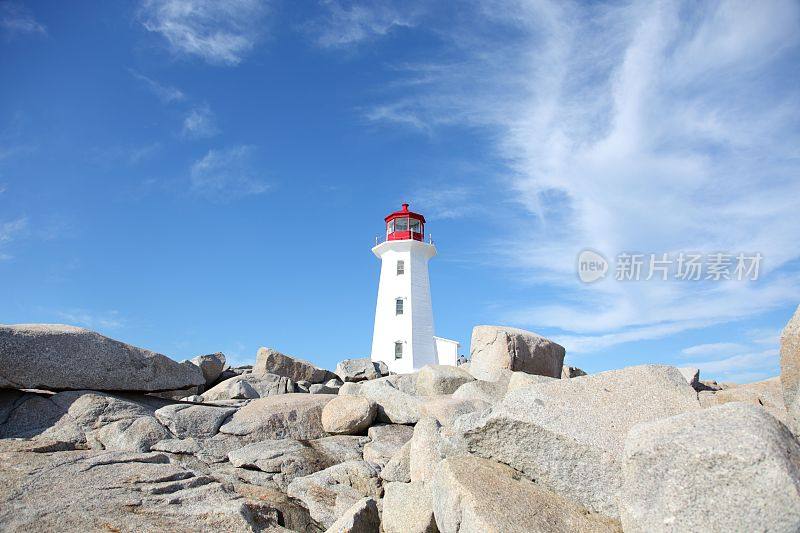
[(405, 228)]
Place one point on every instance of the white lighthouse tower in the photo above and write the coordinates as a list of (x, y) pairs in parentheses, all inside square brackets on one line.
[(403, 337)]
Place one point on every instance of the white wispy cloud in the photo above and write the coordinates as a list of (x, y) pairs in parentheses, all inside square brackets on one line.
[(444, 202), (765, 336), (227, 174), (105, 320), (10, 231), (349, 23), (755, 358), (16, 19), (220, 33), (199, 123), (398, 113), (714, 348), (166, 93), (746, 367), (629, 126)]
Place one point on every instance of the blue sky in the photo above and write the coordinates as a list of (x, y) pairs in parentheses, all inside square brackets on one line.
[(191, 177)]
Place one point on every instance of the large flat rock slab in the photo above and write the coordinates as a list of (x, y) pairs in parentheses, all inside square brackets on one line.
[(474, 495), (269, 361), (441, 379), (59, 357), (114, 491), (249, 386), (766, 394), (199, 421), (287, 459), (361, 369), (83, 418), (293, 416), (732, 467), (568, 435)]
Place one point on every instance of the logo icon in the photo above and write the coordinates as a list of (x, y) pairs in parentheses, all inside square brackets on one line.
[(591, 266)]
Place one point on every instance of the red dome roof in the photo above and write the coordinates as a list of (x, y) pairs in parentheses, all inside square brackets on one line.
[(404, 212)]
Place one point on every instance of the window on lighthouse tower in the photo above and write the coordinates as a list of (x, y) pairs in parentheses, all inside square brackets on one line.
[(398, 306), (398, 350), (401, 267)]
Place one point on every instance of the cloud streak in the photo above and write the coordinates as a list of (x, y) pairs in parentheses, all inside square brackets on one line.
[(745, 367), (628, 126), (349, 23), (227, 174), (166, 93), (108, 320), (10, 231), (16, 19), (220, 33), (199, 123)]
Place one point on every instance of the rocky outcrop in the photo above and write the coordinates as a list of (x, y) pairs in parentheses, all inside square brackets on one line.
[(428, 448), (287, 459), (407, 508), (116, 491), (519, 380), (331, 387), (348, 415), (58, 357), (429, 451), (568, 435), (441, 379), (487, 391), (206, 451), (362, 517), (446, 408), (385, 442), (249, 386), (200, 421), (766, 394), (329, 493), (395, 397), (132, 434), (211, 365), (790, 368), (294, 416), (494, 348), (269, 361), (692, 376), (472, 495), (727, 468), (361, 369), (568, 372), (398, 468), (85, 419)]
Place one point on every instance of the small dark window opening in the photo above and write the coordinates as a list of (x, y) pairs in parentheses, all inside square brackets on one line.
[(401, 267), (398, 306), (398, 350)]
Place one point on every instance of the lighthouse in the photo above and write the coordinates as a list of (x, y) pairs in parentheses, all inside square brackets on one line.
[(403, 336)]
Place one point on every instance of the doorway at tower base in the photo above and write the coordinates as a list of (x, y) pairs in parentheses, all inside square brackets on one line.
[(446, 351)]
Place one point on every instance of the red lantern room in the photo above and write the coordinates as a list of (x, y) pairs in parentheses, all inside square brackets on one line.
[(405, 225)]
